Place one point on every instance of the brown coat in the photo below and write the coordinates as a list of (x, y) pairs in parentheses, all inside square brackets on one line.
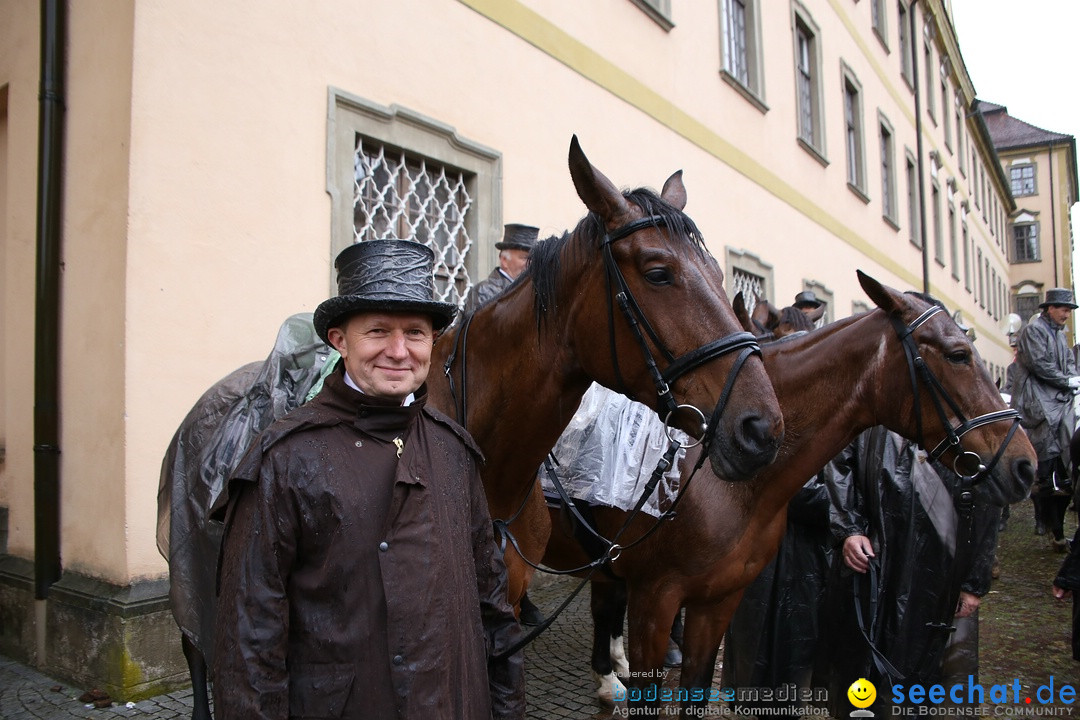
[(355, 584)]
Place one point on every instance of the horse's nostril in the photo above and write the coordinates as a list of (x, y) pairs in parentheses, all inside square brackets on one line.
[(755, 434)]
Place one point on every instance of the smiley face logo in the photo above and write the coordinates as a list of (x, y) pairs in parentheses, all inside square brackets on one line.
[(862, 693)]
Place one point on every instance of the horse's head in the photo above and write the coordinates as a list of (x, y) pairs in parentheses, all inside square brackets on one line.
[(651, 320), (954, 409)]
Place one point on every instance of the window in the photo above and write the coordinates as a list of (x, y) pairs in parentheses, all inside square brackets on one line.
[(748, 274), (888, 175), (739, 27), (658, 10), (808, 85), (945, 116), (853, 135), (1026, 303), (912, 181), (958, 110), (825, 296), (1023, 180), (939, 240), (1026, 243), (904, 26), (967, 257), (979, 270), (878, 20), (954, 249), (928, 63), (382, 184)]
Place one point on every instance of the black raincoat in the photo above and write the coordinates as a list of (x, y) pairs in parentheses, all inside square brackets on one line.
[(359, 576), (1068, 578), (889, 492)]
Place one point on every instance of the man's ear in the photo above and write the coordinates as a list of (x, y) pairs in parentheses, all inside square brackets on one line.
[(336, 336)]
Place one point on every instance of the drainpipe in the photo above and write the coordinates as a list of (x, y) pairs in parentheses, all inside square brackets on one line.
[(1053, 213), (47, 300), (915, 39)]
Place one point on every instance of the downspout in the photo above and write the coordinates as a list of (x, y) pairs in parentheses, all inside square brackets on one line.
[(47, 300), (919, 149)]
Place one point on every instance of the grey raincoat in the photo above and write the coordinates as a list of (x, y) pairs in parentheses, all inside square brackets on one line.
[(1041, 392), (486, 289)]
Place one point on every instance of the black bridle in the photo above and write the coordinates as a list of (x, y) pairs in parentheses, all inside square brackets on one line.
[(967, 465), (618, 291)]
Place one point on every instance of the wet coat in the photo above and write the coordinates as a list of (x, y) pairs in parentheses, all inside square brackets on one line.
[(1068, 578), (773, 636), (486, 289), (889, 492), (357, 584), (1041, 390), (206, 448)]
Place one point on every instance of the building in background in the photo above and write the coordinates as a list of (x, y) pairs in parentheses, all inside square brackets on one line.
[(1041, 167), (216, 156)]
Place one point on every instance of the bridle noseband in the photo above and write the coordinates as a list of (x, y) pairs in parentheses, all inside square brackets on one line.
[(744, 343), (967, 464)]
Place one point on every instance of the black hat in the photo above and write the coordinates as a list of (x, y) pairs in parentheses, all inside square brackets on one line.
[(1058, 296), (388, 275), (518, 237), (807, 298)]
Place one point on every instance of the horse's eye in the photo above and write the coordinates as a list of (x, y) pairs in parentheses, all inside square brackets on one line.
[(959, 357), (658, 276)]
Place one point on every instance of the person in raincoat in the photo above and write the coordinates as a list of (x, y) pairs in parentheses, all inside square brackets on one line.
[(1042, 392), (358, 576), (518, 240), (1067, 585), (912, 558)]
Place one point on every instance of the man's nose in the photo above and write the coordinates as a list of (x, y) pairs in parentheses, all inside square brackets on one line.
[(396, 345)]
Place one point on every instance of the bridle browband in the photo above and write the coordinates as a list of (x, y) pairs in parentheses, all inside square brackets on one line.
[(967, 464), (744, 343)]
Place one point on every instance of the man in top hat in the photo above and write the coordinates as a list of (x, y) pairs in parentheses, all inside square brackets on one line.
[(1043, 394), (807, 301), (358, 574), (518, 241)]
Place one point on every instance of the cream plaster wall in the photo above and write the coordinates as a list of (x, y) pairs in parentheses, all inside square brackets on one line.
[(19, 73), (198, 218)]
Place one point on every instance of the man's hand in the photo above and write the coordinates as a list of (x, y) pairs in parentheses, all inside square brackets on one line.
[(967, 604), (1062, 593), (1074, 382), (857, 551)]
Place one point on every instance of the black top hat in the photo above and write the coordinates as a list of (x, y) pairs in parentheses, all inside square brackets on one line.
[(388, 275), (518, 237), (1058, 296), (807, 298)]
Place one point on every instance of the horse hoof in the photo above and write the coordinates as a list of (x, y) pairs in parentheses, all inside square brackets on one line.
[(609, 688), (618, 658), (673, 658)]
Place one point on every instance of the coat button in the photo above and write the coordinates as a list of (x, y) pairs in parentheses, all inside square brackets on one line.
[(398, 659), (383, 546)]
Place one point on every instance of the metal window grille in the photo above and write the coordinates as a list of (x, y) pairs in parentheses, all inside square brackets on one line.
[(406, 196), (751, 285), (735, 58)]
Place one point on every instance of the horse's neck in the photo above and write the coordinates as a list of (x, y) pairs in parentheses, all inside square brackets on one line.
[(826, 383), (522, 388)]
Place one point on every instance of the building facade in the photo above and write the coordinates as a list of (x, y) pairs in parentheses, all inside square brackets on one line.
[(1041, 167), (217, 155)]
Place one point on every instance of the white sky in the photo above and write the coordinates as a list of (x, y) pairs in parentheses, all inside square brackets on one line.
[(1025, 55)]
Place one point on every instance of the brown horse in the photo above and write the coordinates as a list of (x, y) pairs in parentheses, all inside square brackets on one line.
[(519, 366), (630, 299), (832, 383)]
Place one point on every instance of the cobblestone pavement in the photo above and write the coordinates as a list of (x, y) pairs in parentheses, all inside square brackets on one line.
[(557, 667)]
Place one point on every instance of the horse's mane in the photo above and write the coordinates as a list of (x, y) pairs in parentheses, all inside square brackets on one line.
[(796, 318), (545, 259)]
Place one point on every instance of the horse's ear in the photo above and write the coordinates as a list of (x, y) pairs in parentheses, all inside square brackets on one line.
[(674, 191), (761, 311), (774, 316), (884, 297), (597, 192), (739, 306), (816, 315)]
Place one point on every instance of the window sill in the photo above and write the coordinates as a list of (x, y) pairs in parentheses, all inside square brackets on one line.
[(745, 91), (658, 17), (814, 152), (1025, 262), (881, 39), (891, 222), (859, 192)]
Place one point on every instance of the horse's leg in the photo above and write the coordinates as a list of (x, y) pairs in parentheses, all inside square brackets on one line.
[(608, 605), (674, 651), (618, 618), (199, 689), (650, 614), (705, 626)]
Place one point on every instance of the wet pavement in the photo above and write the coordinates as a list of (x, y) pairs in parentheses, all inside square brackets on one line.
[(558, 678)]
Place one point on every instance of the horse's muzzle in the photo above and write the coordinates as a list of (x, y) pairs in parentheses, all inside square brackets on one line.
[(749, 446)]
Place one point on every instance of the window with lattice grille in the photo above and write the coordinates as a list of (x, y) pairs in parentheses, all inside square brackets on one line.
[(396, 173), (752, 287), (395, 195)]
